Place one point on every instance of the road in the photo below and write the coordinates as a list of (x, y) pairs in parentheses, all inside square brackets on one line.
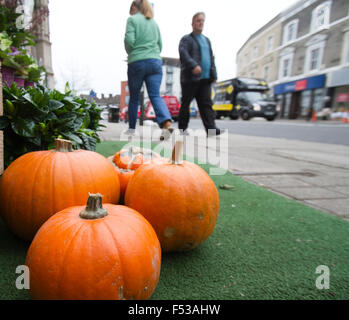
[(332, 132), (280, 156)]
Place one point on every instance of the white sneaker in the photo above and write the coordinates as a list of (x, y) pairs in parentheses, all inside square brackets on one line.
[(129, 132), (166, 133)]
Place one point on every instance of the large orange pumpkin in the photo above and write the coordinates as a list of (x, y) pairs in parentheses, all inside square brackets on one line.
[(179, 199), (41, 183), (105, 252)]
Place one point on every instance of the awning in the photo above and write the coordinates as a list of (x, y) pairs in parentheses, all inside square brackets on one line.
[(338, 78), (300, 85)]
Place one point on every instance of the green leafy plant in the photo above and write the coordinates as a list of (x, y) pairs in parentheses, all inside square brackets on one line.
[(5, 44), (9, 23), (13, 42), (35, 116), (35, 72)]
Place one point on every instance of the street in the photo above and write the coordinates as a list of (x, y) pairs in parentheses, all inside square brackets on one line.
[(332, 132), (280, 156)]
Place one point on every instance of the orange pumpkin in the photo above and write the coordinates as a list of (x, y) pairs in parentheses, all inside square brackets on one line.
[(125, 176), (41, 183), (105, 252), (127, 160), (179, 199), (133, 157)]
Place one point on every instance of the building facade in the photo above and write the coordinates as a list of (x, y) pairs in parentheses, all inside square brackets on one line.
[(312, 57), (125, 95), (42, 50), (258, 57)]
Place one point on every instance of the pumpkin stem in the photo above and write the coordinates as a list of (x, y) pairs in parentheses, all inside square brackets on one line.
[(177, 153), (94, 208), (62, 145)]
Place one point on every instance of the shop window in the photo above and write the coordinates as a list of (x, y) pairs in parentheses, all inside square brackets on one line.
[(286, 110), (290, 31), (321, 16), (305, 102), (318, 99)]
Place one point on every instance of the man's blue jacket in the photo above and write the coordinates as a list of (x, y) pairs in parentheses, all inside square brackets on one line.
[(190, 57)]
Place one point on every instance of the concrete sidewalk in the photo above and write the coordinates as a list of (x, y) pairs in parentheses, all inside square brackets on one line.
[(315, 174)]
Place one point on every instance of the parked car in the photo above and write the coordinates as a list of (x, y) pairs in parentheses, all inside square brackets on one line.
[(113, 114), (124, 114), (173, 106), (104, 115)]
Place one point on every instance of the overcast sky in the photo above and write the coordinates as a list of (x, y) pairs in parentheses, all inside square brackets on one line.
[(87, 35)]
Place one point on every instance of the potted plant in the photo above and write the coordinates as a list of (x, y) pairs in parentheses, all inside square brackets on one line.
[(13, 37), (5, 49), (35, 73)]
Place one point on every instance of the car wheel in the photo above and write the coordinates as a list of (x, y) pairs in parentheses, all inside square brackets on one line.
[(233, 117), (245, 116), (270, 118)]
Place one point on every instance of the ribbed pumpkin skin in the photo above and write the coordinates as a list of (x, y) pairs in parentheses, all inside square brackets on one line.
[(41, 183), (112, 258), (181, 202), (124, 177)]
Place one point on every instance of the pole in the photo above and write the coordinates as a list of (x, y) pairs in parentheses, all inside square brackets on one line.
[(141, 102)]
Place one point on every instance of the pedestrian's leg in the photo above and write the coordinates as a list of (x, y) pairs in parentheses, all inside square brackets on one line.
[(153, 81), (203, 98), (135, 75), (188, 93)]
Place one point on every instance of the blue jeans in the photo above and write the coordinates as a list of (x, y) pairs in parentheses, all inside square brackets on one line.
[(150, 71)]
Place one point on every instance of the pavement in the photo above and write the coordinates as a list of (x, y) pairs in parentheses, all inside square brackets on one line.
[(315, 174)]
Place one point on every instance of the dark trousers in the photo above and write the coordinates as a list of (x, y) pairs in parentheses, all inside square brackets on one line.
[(201, 91)]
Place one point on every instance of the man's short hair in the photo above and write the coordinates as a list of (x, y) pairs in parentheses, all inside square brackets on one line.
[(197, 14)]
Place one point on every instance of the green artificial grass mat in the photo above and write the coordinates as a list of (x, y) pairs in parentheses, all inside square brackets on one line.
[(264, 246)]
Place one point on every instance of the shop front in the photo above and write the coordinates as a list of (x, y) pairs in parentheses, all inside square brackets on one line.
[(297, 97), (338, 82)]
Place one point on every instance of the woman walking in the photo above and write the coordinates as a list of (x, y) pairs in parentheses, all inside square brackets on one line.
[(143, 45)]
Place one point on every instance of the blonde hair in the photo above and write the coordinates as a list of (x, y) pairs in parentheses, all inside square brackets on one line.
[(144, 7)]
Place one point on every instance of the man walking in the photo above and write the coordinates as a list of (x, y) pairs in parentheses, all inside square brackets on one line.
[(198, 72)]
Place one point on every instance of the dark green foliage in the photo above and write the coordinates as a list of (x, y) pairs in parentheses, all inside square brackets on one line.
[(35, 116)]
